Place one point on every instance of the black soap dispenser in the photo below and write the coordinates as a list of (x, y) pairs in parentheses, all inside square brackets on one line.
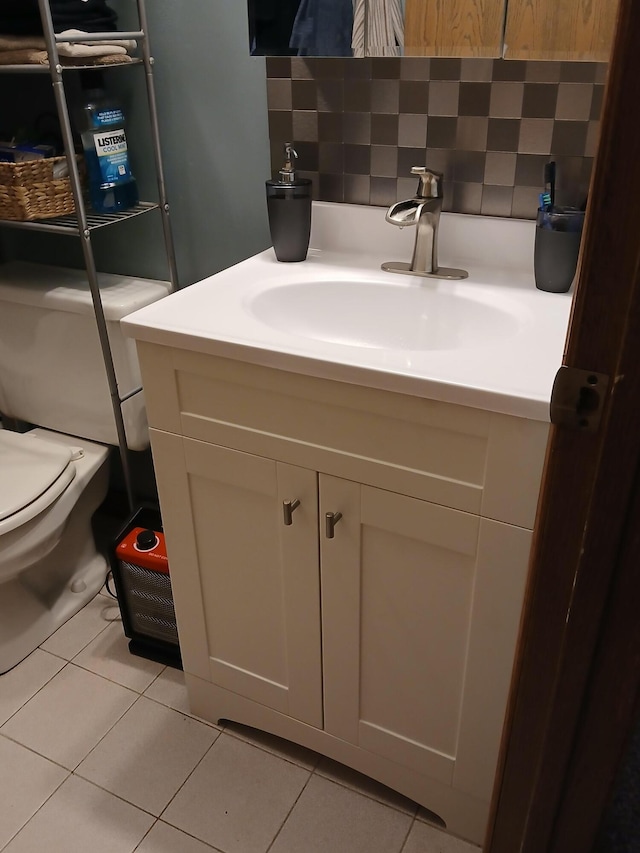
[(289, 208)]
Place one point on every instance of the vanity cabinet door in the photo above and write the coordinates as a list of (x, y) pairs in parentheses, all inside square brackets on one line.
[(258, 577), (421, 609), (454, 27), (560, 29)]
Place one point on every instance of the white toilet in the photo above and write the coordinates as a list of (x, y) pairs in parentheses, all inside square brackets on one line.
[(54, 477)]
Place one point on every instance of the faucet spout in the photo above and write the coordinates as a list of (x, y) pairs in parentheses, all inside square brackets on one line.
[(425, 251), (423, 211), (404, 212)]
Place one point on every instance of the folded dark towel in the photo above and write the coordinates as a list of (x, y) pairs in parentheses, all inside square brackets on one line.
[(91, 10), (21, 17), (106, 24)]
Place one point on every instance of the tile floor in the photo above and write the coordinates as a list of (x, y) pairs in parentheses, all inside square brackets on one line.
[(99, 753)]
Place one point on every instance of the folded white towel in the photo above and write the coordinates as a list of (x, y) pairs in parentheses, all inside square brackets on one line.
[(106, 47), (86, 48), (77, 49), (32, 56)]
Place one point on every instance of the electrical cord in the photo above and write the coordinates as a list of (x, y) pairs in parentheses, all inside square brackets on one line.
[(107, 587)]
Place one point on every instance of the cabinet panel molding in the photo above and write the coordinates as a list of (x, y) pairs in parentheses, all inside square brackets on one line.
[(241, 584), (503, 559), (409, 753), (228, 468), (160, 388), (276, 381), (395, 478), (515, 459), (451, 455), (437, 451), (438, 525), (259, 579), (302, 591), (454, 27), (560, 29), (175, 503), (394, 663), (340, 585), (419, 628), (348, 423)]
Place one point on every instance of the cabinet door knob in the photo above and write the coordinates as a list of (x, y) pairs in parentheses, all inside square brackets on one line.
[(288, 508), (331, 519)]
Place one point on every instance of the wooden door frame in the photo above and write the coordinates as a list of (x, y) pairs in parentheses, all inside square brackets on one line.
[(570, 710)]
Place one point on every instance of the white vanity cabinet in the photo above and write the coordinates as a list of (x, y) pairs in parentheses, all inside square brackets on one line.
[(389, 646)]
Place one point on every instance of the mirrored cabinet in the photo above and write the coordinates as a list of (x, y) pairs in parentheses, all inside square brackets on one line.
[(351, 28), (547, 29), (571, 30)]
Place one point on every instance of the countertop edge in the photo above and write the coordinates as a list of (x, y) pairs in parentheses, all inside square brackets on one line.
[(514, 405)]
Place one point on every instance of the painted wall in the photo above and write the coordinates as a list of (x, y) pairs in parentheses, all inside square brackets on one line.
[(213, 123)]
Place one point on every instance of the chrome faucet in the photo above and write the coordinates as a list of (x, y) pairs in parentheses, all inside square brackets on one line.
[(423, 210)]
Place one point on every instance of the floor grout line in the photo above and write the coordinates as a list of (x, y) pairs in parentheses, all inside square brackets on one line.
[(108, 622), (95, 746), (113, 794), (406, 838), (180, 787), (105, 678), (188, 834), (48, 681), (42, 804), (266, 749), (35, 751), (312, 771), (312, 767), (137, 847), (367, 795), (288, 815)]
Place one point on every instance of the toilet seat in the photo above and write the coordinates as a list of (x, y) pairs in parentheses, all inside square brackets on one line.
[(33, 474)]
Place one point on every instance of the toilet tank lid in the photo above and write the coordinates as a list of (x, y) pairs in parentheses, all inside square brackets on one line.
[(28, 467), (65, 289)]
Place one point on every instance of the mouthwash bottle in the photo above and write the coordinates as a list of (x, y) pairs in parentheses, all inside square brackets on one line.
[(112, 187)]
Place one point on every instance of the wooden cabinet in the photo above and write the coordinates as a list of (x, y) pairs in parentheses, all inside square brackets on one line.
[(471, 28), (560, 29), (515, 29), (387, 646)]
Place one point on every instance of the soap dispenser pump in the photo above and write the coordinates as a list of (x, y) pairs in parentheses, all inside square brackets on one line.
[(289, 209)]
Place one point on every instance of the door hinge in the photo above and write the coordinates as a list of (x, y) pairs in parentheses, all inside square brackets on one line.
[(577, 398)]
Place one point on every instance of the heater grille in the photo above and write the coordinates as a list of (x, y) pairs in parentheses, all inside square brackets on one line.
[(149, 602)]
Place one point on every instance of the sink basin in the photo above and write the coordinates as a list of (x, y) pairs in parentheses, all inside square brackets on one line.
[(378, 315), (492, 341)]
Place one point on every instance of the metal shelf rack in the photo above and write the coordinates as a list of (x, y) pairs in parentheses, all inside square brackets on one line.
[(84, 222), (70, 222)]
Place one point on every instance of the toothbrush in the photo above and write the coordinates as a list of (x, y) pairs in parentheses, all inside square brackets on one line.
[(549, 185)]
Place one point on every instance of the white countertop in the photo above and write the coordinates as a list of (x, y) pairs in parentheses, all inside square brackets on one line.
[(511, 373)]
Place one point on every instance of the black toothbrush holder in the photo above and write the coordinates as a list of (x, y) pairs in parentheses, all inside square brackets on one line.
[(557, 245)]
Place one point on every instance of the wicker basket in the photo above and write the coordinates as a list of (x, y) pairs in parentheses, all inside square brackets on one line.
[(30, 191)]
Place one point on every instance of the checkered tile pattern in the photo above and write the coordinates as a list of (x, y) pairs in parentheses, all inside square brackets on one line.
[(359, 125)]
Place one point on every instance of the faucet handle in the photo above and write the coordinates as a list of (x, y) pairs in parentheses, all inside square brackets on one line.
[(430, 182)]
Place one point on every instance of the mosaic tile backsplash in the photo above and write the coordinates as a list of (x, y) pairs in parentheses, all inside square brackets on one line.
[(359, 125)]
